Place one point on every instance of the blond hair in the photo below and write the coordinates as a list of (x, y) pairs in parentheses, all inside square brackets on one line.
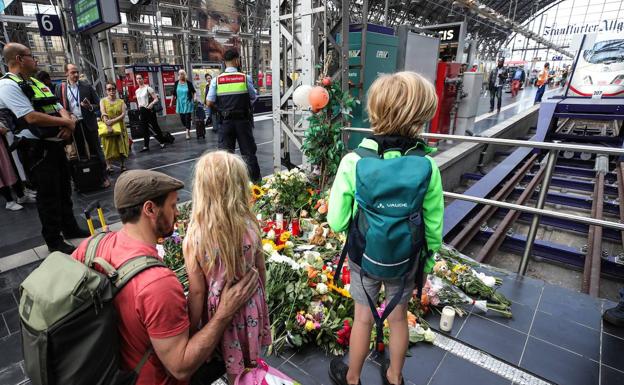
[(401, 104), (221, 214)]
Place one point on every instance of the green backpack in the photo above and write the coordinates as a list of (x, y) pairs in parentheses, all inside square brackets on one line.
[(69, 321), (386, 238)]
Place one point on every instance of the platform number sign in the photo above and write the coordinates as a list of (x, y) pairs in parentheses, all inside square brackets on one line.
[(49, 25)]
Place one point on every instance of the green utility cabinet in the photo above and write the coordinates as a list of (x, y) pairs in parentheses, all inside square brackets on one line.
[(381, 58)]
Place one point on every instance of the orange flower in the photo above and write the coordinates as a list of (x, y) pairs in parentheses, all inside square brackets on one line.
[(312, 272)]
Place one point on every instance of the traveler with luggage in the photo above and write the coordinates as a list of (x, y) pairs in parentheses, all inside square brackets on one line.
[(119, 316), (231, 96), (42, 126), (80, 99), (184, 99), (113, 130), (517, 81), (394, 222), (10, 181), (147, 100)]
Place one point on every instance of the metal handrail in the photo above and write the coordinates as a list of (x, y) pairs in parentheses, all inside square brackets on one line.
[(533, 210), (513, 142)]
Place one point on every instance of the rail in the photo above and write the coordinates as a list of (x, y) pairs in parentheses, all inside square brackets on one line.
[(553, 149), (513, 142)]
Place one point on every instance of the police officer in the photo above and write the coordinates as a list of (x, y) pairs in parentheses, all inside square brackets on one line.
[(41, 127), (231, 95)]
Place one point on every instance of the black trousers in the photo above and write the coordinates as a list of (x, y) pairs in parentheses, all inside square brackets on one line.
[(186, 120), (208, 373), (241, 131), (496, 92), (149, 125), (47, 168), (18, 188)]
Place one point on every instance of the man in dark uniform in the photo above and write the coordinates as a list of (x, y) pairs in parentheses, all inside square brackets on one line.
[(42, 126), (231, 95)]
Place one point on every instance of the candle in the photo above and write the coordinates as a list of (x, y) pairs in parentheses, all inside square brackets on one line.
[(279, 220), (446, 319)]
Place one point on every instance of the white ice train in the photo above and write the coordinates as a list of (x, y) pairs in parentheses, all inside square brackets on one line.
[(600, 71)]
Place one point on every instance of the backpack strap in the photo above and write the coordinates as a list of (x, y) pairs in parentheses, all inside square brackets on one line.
[(134, 266), (92, 246), (364, 152), (143, 361)]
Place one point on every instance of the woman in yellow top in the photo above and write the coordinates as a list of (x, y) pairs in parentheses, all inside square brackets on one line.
[(114, 111)]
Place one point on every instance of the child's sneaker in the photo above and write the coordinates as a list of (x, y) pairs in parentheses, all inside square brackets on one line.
[(338, 372), (384, 374)]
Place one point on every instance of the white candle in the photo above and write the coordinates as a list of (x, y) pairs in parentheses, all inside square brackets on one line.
[(447, 318), (279, 219)]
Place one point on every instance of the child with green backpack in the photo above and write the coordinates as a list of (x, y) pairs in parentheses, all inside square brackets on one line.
[(388, 195)]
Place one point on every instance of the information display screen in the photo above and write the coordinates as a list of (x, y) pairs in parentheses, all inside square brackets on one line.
[(87, 14)]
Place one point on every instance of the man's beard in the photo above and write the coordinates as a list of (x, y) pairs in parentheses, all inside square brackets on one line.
[(163, 227)]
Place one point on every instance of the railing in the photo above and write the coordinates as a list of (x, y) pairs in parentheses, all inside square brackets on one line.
[(553, 149)]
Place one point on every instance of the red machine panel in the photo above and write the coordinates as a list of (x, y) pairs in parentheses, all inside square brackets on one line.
[(447, 94)]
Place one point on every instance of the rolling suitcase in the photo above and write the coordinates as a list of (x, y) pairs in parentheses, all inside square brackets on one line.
[(136, 132), (86, 169), (199, 121)]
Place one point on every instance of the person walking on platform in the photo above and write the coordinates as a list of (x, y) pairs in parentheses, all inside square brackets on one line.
[(542, 80), (147, 116), (9, 177), (231, 97), (42, 127), (184, 99), (496, 82), (80, 99), (113, 112), (517, 81)]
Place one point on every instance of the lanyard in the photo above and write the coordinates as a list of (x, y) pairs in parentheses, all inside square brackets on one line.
[(76, 96)]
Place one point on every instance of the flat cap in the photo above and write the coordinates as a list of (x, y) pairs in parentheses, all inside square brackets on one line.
[(135, 187)]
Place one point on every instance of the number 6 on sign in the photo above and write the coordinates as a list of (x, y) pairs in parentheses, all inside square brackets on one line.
[(49, 25)]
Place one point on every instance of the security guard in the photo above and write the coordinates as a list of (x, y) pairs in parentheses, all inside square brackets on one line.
[(232, 95), (41, 127)]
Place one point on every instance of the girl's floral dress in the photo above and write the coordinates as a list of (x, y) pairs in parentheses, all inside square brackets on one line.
[(250, 329)]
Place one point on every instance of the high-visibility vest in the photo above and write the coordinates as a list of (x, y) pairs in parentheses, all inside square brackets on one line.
[(42, 100), (541, 79), (233, 96)]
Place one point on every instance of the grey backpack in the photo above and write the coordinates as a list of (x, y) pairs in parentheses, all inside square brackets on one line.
[(69, 321)]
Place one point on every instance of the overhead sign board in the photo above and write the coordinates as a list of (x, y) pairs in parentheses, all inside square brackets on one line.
[(49, 25), (451, 39), (94, 16)]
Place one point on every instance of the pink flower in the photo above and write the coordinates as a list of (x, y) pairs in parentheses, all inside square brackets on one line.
[(300, 319), (317, 325)]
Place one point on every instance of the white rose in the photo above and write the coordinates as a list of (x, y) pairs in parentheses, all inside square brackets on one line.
[(289, 245), (271, 235), (267, 248), (429, 335), (323, 278), (321, 288)]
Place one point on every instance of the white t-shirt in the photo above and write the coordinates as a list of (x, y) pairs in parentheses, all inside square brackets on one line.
[(143, 95)]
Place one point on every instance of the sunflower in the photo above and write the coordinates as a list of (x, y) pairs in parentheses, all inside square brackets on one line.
[(257, 191), (284, 236)]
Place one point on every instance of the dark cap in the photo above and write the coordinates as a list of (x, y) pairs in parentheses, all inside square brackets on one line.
[(135, 187)]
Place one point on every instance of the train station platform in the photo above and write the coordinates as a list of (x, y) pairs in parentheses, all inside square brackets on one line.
[(555, 337)]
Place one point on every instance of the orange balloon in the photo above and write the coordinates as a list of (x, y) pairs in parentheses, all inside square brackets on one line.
[(318, 98)]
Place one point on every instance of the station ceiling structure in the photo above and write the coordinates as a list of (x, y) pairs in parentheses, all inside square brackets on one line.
[(489, 22)]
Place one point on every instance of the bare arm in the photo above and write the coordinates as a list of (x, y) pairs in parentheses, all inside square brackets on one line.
[(104, 114), (154, 99), (196, 295), (181, 355)]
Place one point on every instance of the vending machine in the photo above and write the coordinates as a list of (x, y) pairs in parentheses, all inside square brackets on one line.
[(168, 75)]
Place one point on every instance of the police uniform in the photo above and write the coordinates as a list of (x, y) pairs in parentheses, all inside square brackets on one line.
[(235, 115), (42, 154)]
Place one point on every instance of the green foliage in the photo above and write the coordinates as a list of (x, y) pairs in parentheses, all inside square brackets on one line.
[(323, 145)]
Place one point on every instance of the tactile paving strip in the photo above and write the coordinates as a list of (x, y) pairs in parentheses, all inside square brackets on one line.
[(486, 361)]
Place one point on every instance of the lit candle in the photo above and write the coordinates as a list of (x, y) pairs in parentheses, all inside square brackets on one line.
[(279, 219), (447, 318)]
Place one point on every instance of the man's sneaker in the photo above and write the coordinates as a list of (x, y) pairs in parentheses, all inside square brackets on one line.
[(13, 206), (26, 199), (162, 145), (76, 233), (615, 315), (63, 247), (338, 372), (384, 374), (144, 149), (29, 192), (188, 135)]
